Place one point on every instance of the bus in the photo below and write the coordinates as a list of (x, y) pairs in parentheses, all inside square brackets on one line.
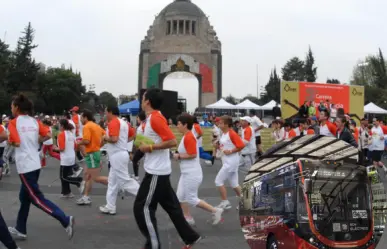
[(308, 194)]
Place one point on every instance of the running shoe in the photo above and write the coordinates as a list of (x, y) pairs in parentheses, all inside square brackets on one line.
[(106, 210), (137, 179), (84, 200), (217, 216), (16, 234), (193, 244), (68, 196), (70, 227), (190, 221), (225, 205)]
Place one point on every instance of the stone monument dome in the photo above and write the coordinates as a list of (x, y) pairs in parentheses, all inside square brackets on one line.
[(182, 7)]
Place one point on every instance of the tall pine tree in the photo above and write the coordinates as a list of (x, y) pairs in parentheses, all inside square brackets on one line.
[(293, 70), (273, 87), (309, 69)]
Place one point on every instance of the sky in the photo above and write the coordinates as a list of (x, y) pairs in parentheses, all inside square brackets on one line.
[(101, 38)]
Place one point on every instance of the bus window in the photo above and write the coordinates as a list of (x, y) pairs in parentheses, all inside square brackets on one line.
[(302, 213)]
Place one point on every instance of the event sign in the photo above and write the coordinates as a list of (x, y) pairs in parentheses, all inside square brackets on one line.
[(348, 97)]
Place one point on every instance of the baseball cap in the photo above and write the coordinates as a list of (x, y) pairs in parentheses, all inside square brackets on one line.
[(217, 119), (246, 118), (74, 109)]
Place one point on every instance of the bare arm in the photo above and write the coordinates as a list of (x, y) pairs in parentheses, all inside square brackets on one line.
[(3, 136)]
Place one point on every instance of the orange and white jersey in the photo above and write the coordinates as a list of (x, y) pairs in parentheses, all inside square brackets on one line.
[(328, 129), (189, 145), (248, 139), (74, 131), (118, 128), (25, 130), (279, 135), (230, 141), (77, 121), (2, 129), (156, 128), (197, 131), (49, 141), (66, 143), (141, 128)]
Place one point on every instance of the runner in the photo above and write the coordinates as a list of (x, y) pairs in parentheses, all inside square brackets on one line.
[(76, 118), (66, 146), (117, 137), (248, 139), (24, 134), (48, 146), (230, 144), (76, 169), (257, 125), (141, 120), (191, 172), (156, 187), (197, 131), (92, 141)]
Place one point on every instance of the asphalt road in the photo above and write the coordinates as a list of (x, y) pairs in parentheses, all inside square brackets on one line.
[(94, 230)]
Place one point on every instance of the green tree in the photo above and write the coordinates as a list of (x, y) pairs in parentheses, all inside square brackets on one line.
[(107, 99), (231, 99), (293, 70), (273, 87), (333, 81), (309, 69), (4, 71)]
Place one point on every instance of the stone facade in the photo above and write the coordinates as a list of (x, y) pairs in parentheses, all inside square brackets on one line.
[(183, 29)]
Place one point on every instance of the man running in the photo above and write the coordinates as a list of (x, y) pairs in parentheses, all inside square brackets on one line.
[(76, 118), (117, 137), (92, 141), (248, 139), (156, 187), (24, 134)]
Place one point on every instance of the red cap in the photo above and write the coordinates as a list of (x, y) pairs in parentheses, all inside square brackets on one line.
[(74, 109), (217, 119)]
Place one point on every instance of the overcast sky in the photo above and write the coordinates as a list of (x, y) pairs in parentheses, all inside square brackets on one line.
[(101, 38)]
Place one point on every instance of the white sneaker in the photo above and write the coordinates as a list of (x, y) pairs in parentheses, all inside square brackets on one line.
[(217, 216), (82, 187), (16, 234), (106, 210), (225, 205), (84, 200), (190, 221), (69, 196), (137, 179), (70, 228)]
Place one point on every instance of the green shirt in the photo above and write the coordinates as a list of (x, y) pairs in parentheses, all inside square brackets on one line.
[(311, 111)]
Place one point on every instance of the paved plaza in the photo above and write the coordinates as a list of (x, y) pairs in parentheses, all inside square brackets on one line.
[(95, 230)]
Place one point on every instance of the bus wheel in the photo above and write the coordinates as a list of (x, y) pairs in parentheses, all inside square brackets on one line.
[(272, 243)]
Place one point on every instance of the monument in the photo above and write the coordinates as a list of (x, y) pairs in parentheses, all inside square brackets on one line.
[(181, 39)]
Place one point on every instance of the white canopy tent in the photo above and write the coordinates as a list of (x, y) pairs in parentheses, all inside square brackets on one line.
[(374, 109), (221, 104), (269, 106), (248, 105)]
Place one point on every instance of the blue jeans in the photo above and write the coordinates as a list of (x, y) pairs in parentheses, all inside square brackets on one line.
[(204, 155), (30, 193)]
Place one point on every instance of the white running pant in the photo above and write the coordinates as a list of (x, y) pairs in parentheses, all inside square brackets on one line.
[(119, 178), (225, 174), (187, 189)]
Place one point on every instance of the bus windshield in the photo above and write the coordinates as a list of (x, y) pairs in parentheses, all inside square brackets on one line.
[(339, 202)]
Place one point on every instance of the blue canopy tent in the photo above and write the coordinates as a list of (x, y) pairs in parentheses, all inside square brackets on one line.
[(132, 108)]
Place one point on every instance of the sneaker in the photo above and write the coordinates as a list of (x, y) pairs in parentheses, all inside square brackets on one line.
[(217, 216), (84, 200), (193, 244), (225, 205), (70, 227), (16, 234), (137, 179), (82, 187), (106, 210), (78, 172), (190, 221), (68, 196)]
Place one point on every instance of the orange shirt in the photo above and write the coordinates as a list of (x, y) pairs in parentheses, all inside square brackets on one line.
[(76, 121), (356, 134), (93, 133), (310, 132), (247, 133), (190, 144), (198, 129), (235, 139), (292, 133), (384, 128), (1, 129)]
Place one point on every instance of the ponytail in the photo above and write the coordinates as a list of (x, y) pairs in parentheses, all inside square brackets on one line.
[(66, 125)]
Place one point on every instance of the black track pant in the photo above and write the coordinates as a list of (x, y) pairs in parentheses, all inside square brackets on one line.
[(5, 236), (136, 160), (66, 179), (156, 190)]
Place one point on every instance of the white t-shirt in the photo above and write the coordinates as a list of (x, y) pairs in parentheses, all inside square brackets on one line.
[(188, 144), (66, 141), (230, 141), (26, 130), (250, 147), (117, 127), (279, 135), (156, 128), (256, 123), (377, 142), (49, 141)]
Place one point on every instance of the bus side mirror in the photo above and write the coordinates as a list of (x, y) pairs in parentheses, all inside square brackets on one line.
[(308, 186)]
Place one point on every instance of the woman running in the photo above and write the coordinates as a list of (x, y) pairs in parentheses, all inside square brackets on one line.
[(66, 146), (191, 172), (48, 146), (25, 132)]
